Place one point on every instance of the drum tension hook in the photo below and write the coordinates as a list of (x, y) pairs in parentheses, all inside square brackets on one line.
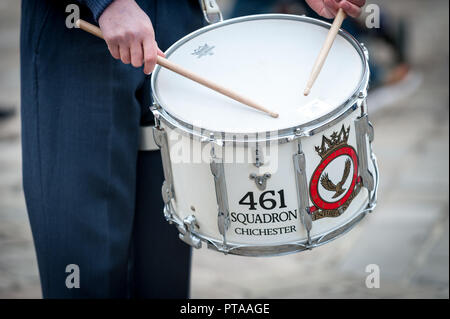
[(186, 232)]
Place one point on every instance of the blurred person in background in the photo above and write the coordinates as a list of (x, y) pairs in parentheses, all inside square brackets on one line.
[(6, 112)]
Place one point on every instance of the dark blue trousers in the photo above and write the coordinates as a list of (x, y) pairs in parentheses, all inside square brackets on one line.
[(93, 199)]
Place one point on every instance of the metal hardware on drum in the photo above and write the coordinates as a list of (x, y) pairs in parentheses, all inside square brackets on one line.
[(223, 220), (260, 180), (259, 157), (160, 136), (364, 129), (211, 9), (302, 190), (187, 232)]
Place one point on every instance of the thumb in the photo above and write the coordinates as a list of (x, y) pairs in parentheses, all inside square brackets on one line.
[(160, 53)]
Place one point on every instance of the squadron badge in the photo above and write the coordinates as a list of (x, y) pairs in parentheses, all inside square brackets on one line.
[(335, 181)]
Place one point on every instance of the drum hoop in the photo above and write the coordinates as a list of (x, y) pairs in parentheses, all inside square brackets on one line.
[(282, 136)]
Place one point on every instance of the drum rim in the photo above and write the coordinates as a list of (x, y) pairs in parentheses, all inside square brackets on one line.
[(283, 135)]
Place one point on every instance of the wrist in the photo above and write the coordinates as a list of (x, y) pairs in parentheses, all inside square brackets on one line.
[(117, 7), (97, 7)]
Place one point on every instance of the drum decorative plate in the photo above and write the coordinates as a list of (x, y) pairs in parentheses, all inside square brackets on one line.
[(248, 184)]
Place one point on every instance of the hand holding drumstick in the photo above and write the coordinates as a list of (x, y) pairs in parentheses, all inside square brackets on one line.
[(328, 9), (129, 34), (132, 40)]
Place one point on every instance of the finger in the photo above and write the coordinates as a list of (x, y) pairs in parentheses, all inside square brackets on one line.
[(114, 50), (137, 55), (150, 53), (320, 8), (332, 7), (349, 8), (359, 3), (125, 54)]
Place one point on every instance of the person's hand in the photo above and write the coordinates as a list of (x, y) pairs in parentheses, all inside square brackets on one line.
[(329, 8), (129, 34)]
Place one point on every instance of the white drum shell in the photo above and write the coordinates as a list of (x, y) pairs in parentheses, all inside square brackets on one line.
[(195, 192)]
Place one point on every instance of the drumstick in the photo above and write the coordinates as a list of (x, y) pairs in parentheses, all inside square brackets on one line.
[(86, 26), (320, 61)]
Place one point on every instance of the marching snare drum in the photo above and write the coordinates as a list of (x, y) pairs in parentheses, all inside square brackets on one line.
[(246, 183)]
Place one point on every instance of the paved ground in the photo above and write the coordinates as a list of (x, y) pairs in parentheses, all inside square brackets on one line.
[(407, 236)]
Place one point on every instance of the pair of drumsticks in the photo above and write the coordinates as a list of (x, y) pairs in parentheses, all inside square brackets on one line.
[(227, 92)]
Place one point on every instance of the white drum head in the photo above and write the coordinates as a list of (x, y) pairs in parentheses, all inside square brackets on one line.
[(266, 58)]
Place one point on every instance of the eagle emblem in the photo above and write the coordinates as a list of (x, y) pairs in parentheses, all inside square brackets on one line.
[(343, 191), (337, 188)]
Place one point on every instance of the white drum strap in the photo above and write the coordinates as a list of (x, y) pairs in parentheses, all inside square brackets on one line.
[(211, 11)]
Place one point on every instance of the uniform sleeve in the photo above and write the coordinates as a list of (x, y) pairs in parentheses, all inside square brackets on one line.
[(96, 6)]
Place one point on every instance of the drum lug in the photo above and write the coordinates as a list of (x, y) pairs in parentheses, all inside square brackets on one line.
[(223, 223), (223, 220), (373, 197), (364, 130), (211, 9), (302, 190), (168, 214), (186, 232), (161, 140), (213, 140), (156, 114), (166, 191), (362, 95)]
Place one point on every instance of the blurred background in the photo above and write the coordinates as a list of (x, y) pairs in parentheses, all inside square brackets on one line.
[(407, 235)]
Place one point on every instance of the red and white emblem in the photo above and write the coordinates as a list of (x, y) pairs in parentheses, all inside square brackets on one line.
[(335, 181)]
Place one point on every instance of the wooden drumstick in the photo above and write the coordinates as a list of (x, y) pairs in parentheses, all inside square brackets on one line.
[(86, 26), (320, 61)]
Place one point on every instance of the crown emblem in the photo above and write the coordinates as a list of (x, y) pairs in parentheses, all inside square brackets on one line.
[(334, 141)]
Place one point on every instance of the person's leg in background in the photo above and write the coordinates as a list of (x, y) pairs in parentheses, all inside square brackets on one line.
[(80, 121), (161, 263)]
